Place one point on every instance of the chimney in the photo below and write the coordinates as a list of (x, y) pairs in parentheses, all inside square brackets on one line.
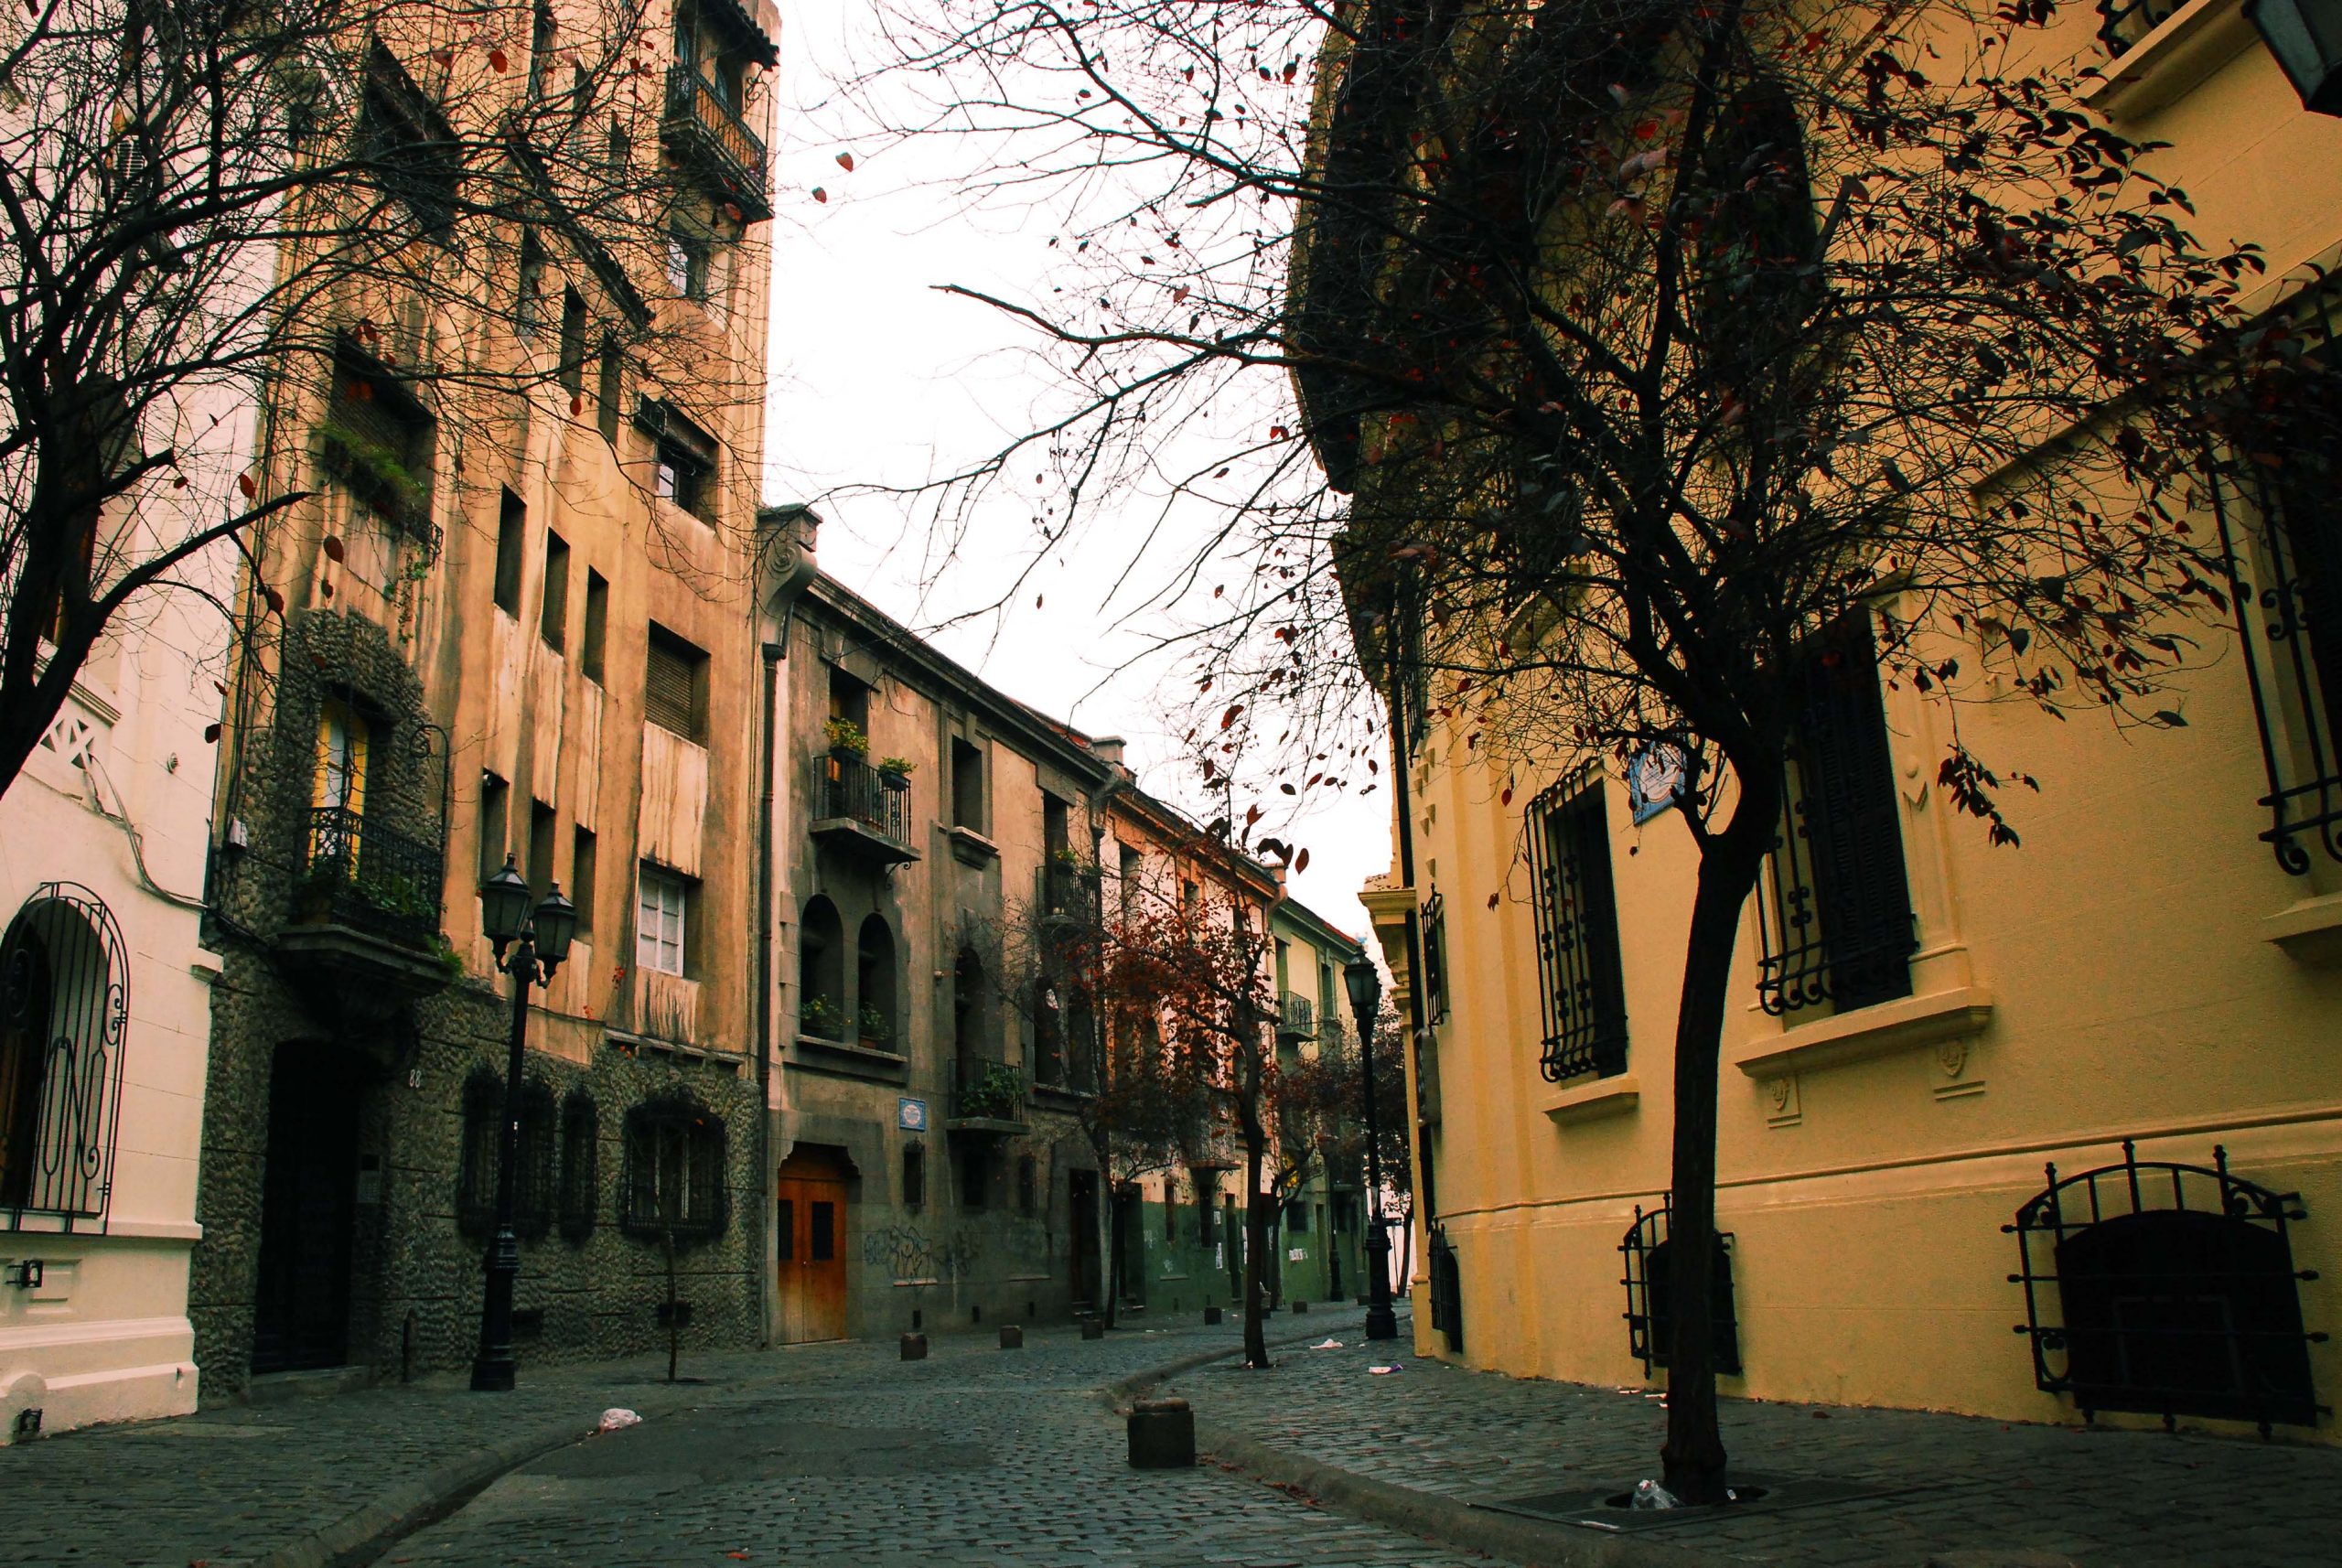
[(1109, 748)]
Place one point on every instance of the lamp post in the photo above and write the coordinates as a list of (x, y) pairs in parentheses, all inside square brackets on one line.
[(1366, 1004), (537, 947)]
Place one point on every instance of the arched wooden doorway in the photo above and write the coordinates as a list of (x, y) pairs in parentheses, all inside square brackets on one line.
[(809, 1243)]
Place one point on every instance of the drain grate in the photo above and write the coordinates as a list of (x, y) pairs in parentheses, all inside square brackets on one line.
[(1591, 1507)]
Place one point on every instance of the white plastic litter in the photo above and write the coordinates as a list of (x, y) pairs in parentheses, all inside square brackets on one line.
[(1381, 1371), (1651, 1495), (1327, 1344), (614, 1418)]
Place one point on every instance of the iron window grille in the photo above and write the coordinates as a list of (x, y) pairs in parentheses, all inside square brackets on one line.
[(2290, 621), (1574, 904), (1650, 1321), (1447, 1290), (581, 1159), (1434, 923), (2166, 1289), (1834, 912), (64, 1007), (533, 1175), (674, 1175)]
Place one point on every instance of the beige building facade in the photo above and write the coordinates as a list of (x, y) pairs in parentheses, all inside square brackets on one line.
[(2041, 1133)]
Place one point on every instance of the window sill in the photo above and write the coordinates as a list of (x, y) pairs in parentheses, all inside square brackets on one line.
[(969, 847), (840, 1055), (2310, 931), (1909, 1023), (2171, 62), (1592, 1101)]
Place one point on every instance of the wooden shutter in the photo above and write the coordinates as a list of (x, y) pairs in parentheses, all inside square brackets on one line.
[(1853, 822), (671, 685)]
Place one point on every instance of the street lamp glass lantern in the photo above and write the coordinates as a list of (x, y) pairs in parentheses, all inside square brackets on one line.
[(1366, 991), (2306, 37), (504, 905), (556, 923)]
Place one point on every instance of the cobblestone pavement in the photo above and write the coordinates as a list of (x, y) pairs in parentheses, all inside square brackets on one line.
[(1954, 1484), (1005, 1459)]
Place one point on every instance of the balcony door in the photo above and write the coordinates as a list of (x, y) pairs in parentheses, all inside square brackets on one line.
[(810, 1241)]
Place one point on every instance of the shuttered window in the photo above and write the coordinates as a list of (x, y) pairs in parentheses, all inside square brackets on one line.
[(674, 686)]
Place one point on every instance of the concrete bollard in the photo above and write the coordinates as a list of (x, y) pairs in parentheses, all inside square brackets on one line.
[(1093, 1328), (914, 1346), (1012, 1337), (1211, 1316), (1163, 1435)]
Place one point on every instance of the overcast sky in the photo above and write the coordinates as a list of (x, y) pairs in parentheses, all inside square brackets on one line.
[(878, 378)]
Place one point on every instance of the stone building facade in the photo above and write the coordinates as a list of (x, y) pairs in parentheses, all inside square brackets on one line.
[(539, 643)]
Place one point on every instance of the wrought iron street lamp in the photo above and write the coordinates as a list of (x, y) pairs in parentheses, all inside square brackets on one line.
[(2306, 37), (1366, 1004), (537, 947)]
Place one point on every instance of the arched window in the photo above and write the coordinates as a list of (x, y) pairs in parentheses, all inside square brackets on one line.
[(875, 982), (820, 971), (969, 1037), (64, 998)]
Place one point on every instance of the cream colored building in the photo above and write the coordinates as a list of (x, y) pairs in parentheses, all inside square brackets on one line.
[(104, 1002), (2150, 989)]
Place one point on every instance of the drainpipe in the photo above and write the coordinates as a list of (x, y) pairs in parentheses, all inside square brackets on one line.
[(772, 654), (1401, 766)]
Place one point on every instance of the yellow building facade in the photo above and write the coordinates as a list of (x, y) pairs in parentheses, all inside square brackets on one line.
[(2150, 988)]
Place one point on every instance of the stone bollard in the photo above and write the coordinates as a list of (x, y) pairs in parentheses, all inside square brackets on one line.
[(914, 1346), (1301, 1306), (1012, 1337), (1093, 1328), (1211, 1316), (1163, 1435)]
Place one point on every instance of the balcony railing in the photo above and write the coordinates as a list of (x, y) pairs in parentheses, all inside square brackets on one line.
[(853, 794), (2122, 23), (361, 874), (1296, 1016), (701, 114), (987, 1096)]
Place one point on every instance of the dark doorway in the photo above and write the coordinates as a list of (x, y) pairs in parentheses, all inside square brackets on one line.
[(308, 1189), (1083, 1187), (1130, 1221)]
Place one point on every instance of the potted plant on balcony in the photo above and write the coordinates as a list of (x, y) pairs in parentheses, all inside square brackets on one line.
[(875, 1030), (821, 1016), (996, 1094), (847, 743), (895, 772)]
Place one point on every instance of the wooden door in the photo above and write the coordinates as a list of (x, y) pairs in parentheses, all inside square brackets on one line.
[(809, 1233)]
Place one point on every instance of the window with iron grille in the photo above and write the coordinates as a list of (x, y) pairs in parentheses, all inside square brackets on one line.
[(1575, 908), (674, 1178), (581, 1160), (64, 1004), (1651, 1317), (406, 145), (1835, 908), (532, 1174), (1435, 928), (2167, 1289)]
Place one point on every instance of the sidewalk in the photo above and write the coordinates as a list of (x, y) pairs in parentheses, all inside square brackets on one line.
[(316, 1482), (1408, 1447)]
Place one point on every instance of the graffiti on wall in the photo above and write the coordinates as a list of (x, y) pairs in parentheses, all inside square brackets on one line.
[(908, 1251)]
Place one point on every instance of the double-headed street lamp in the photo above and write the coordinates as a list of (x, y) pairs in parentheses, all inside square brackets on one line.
[(537, 946), (1366, 1003)]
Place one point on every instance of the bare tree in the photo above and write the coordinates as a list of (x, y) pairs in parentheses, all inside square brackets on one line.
[(1667, 371), (350, 220)]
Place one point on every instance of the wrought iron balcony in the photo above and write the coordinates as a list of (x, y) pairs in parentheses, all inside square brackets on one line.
[(2122, 23), (986, 1097), (1296, 1016), (361, 874), (707, 131), (861, 811)]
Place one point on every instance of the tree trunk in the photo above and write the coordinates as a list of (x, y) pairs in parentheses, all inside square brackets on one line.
[(1256, 1231), (1693, 1457)]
